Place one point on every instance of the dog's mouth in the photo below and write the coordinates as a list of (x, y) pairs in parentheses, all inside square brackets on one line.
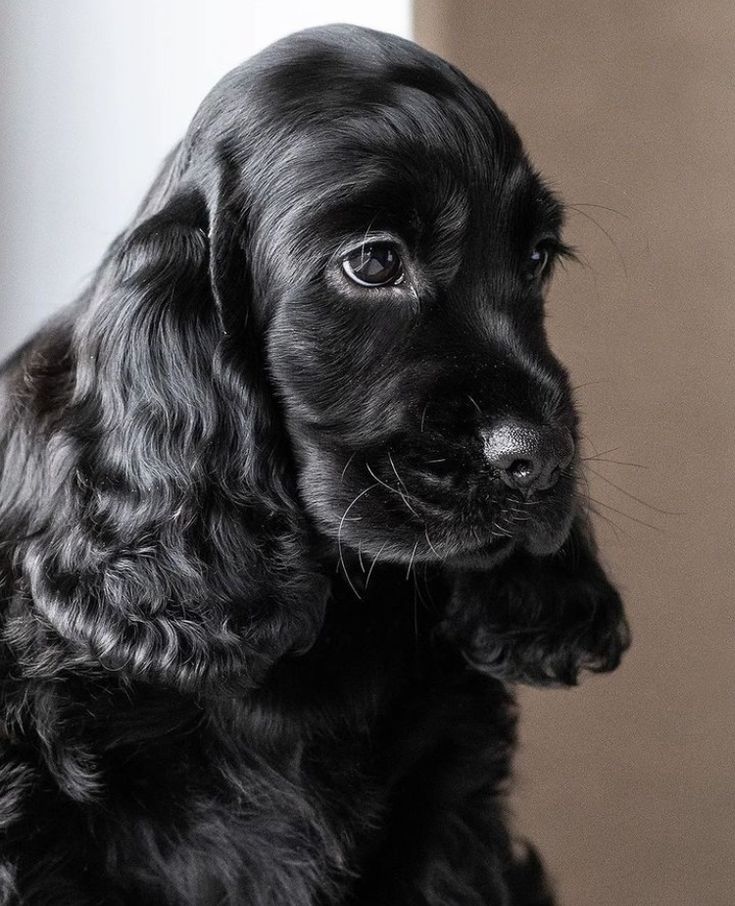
[(471, 522), (478, 519)]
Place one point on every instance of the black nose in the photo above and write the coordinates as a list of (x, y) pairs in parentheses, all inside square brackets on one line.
[(526, 457)]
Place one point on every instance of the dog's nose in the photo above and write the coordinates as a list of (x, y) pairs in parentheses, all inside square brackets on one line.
[(527, 457)]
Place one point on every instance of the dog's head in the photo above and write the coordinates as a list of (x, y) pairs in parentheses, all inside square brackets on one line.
[(324, 328), (399, 244)]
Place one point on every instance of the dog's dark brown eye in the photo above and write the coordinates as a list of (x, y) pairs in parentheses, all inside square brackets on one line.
[(537, 262), (374, 264)]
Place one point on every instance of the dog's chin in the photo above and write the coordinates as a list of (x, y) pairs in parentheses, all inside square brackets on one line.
[(487, 556), (541, 542)]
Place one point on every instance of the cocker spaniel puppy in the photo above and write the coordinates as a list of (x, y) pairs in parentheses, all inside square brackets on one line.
[(288, 504)]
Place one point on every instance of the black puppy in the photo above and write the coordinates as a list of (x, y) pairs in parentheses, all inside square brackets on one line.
[(288, 495)]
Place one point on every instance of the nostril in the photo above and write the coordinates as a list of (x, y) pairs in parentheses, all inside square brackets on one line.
[(521, 471)]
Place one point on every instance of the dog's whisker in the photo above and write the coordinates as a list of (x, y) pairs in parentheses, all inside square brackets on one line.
[(616, 527), (347, 465), (588, 384), (615, 462), (431, 546), (603, 207), (606, 233), (588, 506), (474, 403), (606, 452), (402, 484), (392, 490), (613, 509), (410, 562), (375, 560), (649, 506), (339, 537), (583, 497), (588, 440), (343, 565)]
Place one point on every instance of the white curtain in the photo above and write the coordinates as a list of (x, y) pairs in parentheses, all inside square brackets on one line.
[(93, 95)]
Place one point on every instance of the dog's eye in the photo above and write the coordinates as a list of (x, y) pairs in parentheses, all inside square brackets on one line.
[(374, 264), (537, 262)]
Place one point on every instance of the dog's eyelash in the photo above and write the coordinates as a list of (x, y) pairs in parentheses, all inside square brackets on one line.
[(560, 250), (555, 250)]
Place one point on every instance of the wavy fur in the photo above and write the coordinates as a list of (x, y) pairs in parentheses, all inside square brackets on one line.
[(255, 646)]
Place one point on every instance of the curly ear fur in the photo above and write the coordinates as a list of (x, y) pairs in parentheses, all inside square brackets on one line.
[(165, 542), (163, 447), (540, 620)]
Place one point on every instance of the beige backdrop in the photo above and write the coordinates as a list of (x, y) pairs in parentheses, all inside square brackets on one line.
[(629, 109)]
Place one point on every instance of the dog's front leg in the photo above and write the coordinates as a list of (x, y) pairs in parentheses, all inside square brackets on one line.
[(540, 620)]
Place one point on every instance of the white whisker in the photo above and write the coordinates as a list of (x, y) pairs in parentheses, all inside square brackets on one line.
[(339, 538)]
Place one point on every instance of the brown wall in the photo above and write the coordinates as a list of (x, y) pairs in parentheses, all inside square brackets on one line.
[(629, 109)]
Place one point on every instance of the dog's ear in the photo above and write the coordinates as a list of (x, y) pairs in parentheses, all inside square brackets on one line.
[(540, 620), (170, 546)]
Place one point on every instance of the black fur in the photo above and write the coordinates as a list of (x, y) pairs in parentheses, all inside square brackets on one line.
[(261, 597)]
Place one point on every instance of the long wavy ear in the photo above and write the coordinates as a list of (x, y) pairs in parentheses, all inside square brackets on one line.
[(170, 546), (540, 620)]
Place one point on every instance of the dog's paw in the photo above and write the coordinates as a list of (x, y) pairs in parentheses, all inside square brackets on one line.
[(538, 620)]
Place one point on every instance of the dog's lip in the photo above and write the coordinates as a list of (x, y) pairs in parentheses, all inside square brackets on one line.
[(540, 537), (494, 550)]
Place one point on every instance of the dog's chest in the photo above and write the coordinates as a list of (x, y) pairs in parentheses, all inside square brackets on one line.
[(295, 774)]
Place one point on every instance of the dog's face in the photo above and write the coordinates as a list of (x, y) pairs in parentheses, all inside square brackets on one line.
[(402, 245), (398, 244)]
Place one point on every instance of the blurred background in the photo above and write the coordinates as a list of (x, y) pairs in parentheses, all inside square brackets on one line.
[(627, 783)]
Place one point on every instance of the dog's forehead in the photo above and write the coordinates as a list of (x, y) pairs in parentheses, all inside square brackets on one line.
[(382, 117), (408, 102), (343, 92)]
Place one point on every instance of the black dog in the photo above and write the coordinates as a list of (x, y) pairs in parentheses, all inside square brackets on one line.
[(288, 499)]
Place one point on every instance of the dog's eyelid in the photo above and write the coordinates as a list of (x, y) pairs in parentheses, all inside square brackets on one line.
[(548, 240), (353, 245)]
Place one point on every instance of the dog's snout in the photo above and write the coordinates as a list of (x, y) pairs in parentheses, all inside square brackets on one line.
[(526, 457)]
